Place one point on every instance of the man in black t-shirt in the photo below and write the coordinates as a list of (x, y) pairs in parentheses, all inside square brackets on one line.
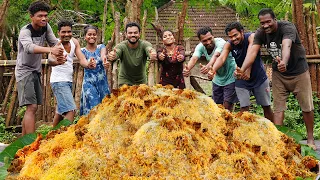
[(290, 68)]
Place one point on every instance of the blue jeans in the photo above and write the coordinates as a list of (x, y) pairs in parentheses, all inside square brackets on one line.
[(63, 93)]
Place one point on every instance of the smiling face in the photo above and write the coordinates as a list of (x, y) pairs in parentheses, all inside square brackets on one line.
[(207, 41), (133, 34), (168, 38), (65, 33), (39, 19), (91, 36), (235, 36), (267, 23)]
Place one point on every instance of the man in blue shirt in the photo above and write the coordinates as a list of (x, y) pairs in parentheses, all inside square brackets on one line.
[(254, 80)]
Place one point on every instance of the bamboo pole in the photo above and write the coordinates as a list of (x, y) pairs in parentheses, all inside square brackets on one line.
[(8, 94), (151, 73), (12, 104)]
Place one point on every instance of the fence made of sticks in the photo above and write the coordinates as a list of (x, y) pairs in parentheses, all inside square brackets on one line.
[(12, 112)]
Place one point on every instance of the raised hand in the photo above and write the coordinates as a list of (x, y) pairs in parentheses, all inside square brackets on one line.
[(282, 66), (112, 55), (180, 57), (92, 63), (152, 55), (162, 55), (186, 71)]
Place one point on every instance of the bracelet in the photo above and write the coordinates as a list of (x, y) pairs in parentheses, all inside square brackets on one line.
[(5, 63), (46, 62)]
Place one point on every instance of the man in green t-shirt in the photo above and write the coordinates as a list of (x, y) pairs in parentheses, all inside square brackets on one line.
[(133, 54), (223, 81)]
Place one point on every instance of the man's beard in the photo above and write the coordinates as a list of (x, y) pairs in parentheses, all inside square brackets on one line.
[(131, 42)]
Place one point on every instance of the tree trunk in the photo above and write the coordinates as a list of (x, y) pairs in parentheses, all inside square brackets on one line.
[(104, 20), (314, 34), (309, 30), (299, 17), (3, 9), (144, 24), (181, 21), (115, 63), (133, 8)]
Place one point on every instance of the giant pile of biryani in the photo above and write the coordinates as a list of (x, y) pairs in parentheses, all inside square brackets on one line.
[(142, 132)]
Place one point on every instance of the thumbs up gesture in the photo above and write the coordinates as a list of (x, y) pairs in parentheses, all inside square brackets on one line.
[(282, 66), (92, 63), (106, 63), (204, 69), (180, 57), (152, 55), (57, 50), (112, 55), (162, 55), (211, 74), (186, 71)]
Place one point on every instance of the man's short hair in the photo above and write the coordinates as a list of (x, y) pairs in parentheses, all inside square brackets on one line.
[(64, 23), (204, 31), (38, 6), (233, 25), (132, 24), (265, 11)]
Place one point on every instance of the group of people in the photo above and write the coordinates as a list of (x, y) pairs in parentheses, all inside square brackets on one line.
[(235, 66)]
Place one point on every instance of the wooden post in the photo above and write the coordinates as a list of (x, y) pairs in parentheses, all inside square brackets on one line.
[(299, 17), (78, 89), (143, 25), (309, 30), (151, 73), (2, 89), (75, 77), (104, 20), (313, 76), (188, 48), (48, 117), (314, 34), (157, 65), (14, 114), (12, 104), (115, 63), (8, 94), (318, 79)]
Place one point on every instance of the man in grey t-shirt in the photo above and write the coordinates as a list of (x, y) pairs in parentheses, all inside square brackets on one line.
[(28, 68), (290, 68)]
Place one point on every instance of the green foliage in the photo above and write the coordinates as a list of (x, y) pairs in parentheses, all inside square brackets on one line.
[(293, 118), (5, 136)]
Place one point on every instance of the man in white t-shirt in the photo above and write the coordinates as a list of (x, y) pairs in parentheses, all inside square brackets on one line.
[(62, 73)]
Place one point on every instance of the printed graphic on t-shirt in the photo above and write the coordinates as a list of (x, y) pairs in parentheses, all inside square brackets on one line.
[(273, 50), (235, 52)]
